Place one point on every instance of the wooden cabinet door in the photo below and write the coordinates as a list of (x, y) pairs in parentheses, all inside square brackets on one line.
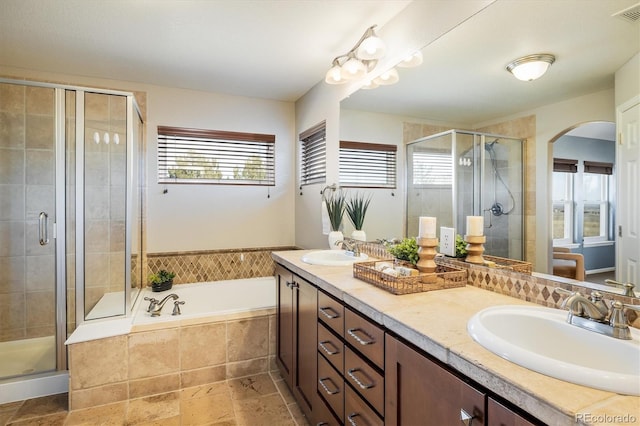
[(305, 344), (499, 415), (284, 324), (420, 392)]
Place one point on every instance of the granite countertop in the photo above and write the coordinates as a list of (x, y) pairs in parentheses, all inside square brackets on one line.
[(436, 322)]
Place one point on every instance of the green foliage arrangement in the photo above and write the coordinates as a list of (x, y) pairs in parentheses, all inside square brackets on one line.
[(161, 277), (407, 249), (336, 205), (356, 208), (461, 246)]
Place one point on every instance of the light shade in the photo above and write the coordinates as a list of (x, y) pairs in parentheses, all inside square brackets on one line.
[(334, 75), (353, 68), (388, 77), (371, 47), (412, 60), (531, 67)]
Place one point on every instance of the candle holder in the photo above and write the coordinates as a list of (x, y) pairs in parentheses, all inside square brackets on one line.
[(426, 254), (475, 248)]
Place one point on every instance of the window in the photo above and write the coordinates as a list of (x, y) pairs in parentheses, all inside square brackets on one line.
[(313, 154), (596, 206), (562, 208), (215, 157), (367, 165), (432, 168)]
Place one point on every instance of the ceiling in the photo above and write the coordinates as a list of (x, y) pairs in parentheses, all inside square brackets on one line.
[(279, 49), (274, 49)]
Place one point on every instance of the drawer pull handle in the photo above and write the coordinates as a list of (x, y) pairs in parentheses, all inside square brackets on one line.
[(326, 389), (364, 386), (367, 341), (351, 418), (465, 418), (323, 344), (329, 312)]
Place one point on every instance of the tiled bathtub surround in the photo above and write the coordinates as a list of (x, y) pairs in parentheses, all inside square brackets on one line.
[(215, 265), (162, 361)]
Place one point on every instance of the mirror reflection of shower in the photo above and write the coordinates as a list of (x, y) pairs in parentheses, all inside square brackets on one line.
[(459, 173), (497, 209)]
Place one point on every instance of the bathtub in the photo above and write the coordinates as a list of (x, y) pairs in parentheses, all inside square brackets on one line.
[(210, 300)]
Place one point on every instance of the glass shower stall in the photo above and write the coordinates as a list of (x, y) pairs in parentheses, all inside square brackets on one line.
[(457, 173), (70, 222)]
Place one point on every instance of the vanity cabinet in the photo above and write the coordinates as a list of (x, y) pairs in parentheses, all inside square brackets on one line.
[(501, 415), (296, 336), (350, 365), (421, 392)]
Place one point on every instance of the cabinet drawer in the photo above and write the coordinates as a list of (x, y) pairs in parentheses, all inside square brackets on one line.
[(331, 312), (322, 415), (365, 379), (365, 336), (331, 387), (357, 412), (331, 347)]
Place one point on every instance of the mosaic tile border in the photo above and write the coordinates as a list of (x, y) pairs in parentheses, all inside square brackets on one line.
[(215, 265)]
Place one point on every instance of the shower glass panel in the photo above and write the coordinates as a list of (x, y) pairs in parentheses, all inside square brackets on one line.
[(455, 174), (27, 214), (105, 179)]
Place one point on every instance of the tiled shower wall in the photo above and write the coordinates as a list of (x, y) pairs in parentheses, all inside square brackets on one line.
[(26, 188)]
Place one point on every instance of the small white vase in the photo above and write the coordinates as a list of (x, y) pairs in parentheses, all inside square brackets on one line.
[(335, 236), (359, 235)]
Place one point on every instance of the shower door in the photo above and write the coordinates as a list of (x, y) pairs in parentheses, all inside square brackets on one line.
[(28, 251)]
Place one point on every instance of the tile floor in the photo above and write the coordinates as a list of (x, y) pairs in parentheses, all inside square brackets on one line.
[(252, 401)]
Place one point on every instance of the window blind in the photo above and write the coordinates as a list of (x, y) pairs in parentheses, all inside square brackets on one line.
[(313, 155), (367, 165), (599, 168), (213, 156), (565, 165), (432, 168)]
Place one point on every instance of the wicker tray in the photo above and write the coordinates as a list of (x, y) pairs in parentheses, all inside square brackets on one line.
[(444, 277), (500, 263)]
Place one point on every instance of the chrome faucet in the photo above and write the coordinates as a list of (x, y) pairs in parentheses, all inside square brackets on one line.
[(593, 314), (155, 307), (351, 247)]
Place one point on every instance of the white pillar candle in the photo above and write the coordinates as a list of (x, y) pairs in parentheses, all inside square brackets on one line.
[(427, 227), (475, 225)]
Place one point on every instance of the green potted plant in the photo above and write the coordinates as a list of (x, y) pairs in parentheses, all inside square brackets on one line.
[(336, 204), (461, 246), (356, 208), (161, 281), (406, 250)]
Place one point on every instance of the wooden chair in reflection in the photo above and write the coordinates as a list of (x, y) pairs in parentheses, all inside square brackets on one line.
[(567, 264)]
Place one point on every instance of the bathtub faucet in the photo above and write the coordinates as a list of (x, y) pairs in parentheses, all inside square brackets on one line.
[(156, 308)]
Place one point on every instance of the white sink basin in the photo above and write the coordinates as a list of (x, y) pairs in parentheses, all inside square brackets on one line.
[(332, 258), (540, 339)]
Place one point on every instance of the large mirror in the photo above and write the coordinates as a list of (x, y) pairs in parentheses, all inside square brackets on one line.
[(460, 85)]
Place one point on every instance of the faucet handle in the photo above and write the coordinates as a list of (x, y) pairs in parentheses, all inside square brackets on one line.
[(152, 303), (176, 307), (565, 292)]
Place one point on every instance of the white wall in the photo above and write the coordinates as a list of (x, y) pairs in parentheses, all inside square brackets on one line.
[(206, 217), (628, 80)]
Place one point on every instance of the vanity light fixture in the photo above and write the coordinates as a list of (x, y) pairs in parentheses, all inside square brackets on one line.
[(387, 78), (530, 67), (412, 60), (358, 61)]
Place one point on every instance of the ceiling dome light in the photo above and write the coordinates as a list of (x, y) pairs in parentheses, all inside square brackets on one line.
[(387, 78), (531, 67), (412, 60)]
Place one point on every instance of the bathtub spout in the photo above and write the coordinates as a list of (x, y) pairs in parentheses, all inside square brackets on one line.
[(155, 312)]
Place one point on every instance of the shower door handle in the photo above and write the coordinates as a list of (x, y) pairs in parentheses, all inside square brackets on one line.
[(43, 228)]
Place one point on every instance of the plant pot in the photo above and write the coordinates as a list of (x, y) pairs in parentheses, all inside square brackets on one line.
[(359, 235), (335, 236), (162, 286)]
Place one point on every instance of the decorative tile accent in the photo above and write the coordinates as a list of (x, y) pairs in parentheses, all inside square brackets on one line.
[(215, 265)]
